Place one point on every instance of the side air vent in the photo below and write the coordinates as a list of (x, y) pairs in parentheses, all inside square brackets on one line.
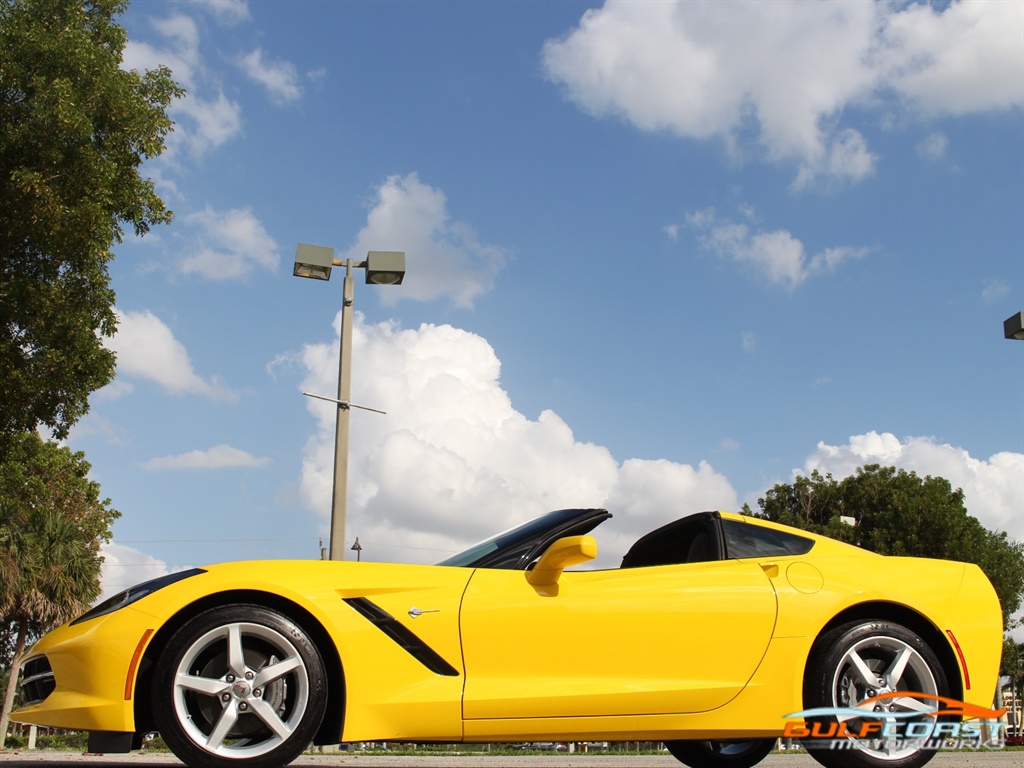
[(36, 680), (403, 636)]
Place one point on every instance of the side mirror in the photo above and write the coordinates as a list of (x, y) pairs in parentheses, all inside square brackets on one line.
[(564, 553)]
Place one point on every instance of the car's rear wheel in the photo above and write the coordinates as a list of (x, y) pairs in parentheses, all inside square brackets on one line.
[(239, 686), (721, 754), (863, 660)]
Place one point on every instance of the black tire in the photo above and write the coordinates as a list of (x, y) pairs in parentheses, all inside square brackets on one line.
[(858, 661), (239, 687), (721, 754)]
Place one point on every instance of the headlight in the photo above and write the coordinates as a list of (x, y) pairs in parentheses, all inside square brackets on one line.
[(139, 591)]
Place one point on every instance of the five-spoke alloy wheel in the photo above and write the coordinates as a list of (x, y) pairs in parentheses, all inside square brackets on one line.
[(239, 686), (874, 674)]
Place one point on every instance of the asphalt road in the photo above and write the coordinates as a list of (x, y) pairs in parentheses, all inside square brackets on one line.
[(48, 759)]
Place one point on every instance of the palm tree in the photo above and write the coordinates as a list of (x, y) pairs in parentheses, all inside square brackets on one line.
[(52, 523)]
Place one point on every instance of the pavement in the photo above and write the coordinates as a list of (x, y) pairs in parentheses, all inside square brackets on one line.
[(54, 759)]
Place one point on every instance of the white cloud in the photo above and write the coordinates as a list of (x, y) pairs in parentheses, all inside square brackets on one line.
[(125, 567), (452, 461), (443, 256), (213, 122), (227, 12), (933, 147), (218, 457), (777, 254), (93, 424), (780, 75), (453, 455), (994, 290), (147, 349), (993, 490), (672, 230), (182, 55), (202, 123), (843, 157), (230, 245), (962, 59), (279, 77)]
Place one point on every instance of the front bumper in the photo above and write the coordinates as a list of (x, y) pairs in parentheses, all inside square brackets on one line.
[(82, 676)]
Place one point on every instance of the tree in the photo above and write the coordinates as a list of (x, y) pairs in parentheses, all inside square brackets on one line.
[(52, 524), (895, 512), (74, 130), (1011, 665)]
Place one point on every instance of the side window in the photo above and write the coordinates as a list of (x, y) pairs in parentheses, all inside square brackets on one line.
[(690, 540), (746, 540)]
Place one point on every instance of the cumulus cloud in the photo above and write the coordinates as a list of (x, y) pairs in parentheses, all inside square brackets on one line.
[(218, 457), (965, 58), (453, 462), (146, 349), (777, 254), (778, 76), (124, 567), (230, 244), (993, 491), (444, 257), (279, 77), (202, 122)]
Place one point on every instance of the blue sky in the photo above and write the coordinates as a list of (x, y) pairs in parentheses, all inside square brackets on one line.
[(660, 257)]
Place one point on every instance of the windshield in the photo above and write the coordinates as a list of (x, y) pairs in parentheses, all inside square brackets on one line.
[(513, 548)]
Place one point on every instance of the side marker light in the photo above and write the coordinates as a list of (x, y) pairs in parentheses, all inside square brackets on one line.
[(963, 661), (129, 680)]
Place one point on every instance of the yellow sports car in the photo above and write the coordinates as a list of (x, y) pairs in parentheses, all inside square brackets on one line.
[(718, 634)]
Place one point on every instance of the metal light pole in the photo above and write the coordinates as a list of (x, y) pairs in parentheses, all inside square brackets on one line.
[(382, 268)]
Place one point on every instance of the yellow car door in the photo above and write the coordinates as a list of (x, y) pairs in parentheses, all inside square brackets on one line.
[(663, 639)]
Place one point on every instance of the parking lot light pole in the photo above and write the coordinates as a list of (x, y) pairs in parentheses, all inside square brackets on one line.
[(382, 268)]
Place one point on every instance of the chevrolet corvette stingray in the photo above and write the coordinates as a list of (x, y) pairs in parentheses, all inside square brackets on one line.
[(714, 630)]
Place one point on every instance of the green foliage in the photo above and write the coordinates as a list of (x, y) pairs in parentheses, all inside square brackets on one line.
[(9, 640), (52, 523), (1011, 664), (74, 130), (54, 739), (896, 512)]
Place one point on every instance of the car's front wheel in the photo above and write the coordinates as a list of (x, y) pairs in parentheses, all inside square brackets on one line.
[(239, 686), (721, 754), (881, 679)]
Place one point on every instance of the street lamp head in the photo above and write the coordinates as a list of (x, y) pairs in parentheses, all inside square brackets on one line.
[(385, 267), (1013, 327), (313, 261)]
